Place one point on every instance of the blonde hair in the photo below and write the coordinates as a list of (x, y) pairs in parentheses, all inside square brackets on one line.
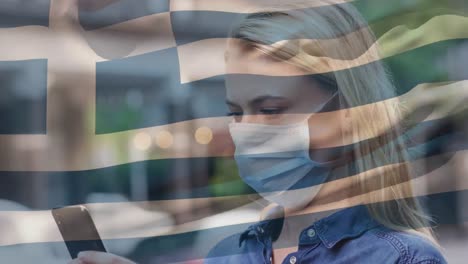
[(304, 37)]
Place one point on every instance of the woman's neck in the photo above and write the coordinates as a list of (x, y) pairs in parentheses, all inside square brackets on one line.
[(298, 219)]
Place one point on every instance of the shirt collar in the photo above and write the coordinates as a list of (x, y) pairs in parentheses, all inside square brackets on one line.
[(266, 228), (344, 224)]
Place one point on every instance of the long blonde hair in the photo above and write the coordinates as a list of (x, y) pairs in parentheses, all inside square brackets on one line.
[(314, 39)]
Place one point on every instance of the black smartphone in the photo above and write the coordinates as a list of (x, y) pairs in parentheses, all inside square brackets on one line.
[(77, 229)]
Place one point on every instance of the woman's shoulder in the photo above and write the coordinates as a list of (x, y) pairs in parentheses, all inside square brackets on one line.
[(412, 248)]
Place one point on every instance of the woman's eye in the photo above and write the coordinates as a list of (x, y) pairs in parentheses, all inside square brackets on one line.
[(271, 111), (234, 113)]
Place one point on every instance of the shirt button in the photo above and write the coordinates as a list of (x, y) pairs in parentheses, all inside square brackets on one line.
[(311, 232), (292, 260)]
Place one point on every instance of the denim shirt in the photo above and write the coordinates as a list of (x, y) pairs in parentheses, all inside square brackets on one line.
[(347, 236)]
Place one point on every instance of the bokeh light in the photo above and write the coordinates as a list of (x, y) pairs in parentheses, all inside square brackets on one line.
[(164, 139), (142, 141), (203, 135)]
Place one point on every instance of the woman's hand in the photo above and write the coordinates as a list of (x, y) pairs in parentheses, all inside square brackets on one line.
[(95, 257)]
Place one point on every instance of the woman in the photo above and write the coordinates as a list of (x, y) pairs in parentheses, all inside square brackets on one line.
[(350, 157)]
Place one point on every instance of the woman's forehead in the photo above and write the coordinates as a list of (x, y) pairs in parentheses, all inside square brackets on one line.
[(244, 87), (252, 73), (250, 60)]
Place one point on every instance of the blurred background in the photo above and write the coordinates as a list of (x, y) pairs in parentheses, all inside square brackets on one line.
[(120, 105)]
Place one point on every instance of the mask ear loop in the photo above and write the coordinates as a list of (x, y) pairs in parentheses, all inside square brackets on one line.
[(332, 163), (323, 105), (347, 155)]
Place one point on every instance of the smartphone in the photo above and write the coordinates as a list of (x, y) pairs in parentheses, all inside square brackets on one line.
[(77, 229)]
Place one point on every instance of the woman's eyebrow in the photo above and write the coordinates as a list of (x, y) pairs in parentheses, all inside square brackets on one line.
[(258, 100), (231, 103)]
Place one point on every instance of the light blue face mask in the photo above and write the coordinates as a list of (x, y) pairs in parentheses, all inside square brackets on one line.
[(273, 159), (288, 174)]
